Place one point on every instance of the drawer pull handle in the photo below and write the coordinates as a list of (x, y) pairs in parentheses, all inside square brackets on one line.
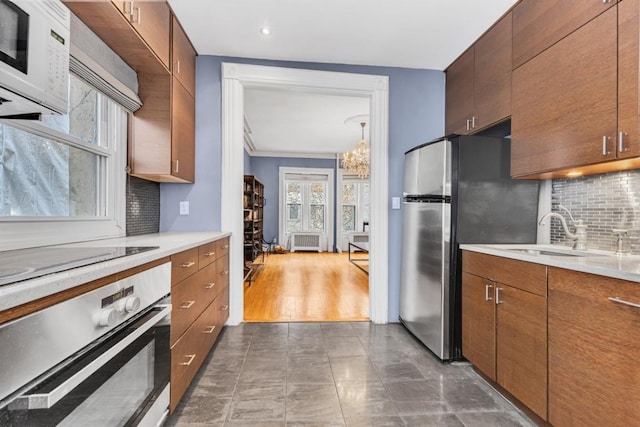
[(224, 273), (186, 305), (224, 308), (210, 254), (498, 296), (487, 297), (210, 329), (210, 285), (191, 357), (621, 301), (188, 264), (225, 247)]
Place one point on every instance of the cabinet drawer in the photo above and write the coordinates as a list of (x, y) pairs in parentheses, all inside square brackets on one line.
[(207, 253), (193, 347), (223, 247), (190, 297), (519, 274), (183, 265), (222, 272)]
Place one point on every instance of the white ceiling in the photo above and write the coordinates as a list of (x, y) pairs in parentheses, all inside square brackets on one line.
[(296, 122), (425, 34)]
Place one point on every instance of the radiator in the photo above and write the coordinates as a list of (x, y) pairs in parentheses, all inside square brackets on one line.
[(305, 242), (359, 238)]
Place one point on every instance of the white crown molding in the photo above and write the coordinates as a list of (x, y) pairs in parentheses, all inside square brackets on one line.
[(235, 77), (258, 153)]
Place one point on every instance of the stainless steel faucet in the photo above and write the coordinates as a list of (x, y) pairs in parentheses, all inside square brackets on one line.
[(580, 235)]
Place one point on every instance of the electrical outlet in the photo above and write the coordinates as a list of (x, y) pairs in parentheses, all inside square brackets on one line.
[(184, 208)]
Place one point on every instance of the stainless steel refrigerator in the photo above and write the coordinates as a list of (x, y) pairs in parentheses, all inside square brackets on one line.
[(456, 190)]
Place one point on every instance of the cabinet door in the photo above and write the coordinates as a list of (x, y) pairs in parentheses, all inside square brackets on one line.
[(538, 24), (492, 75), (594, 375), (183, 132), (628, 97), (184, 58), (564, 110), (478, 323), (459, 95), (521, 335), (152, 20)]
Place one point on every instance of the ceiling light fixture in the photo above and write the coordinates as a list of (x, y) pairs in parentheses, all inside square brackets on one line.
[(356, 162), (265, 31)]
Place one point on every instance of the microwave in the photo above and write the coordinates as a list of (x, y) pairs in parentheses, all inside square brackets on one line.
[(34, 57)]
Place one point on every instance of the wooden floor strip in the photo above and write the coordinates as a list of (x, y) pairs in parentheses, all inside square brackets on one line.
[(307, 287)]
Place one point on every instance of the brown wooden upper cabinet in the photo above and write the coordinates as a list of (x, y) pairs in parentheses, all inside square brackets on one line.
[(183, 64), (575, 105), (151, 19), (478, 87), (183, 131), (138, 31), (538, 24)]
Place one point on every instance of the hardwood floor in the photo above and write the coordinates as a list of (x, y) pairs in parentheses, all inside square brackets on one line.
[(307, 287)]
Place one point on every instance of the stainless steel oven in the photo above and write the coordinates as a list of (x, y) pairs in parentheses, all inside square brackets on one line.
[(100, 359)]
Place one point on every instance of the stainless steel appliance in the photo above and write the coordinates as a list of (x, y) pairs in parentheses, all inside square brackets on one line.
[(456, 190), (24, 264), (34, 57), (102, 358)]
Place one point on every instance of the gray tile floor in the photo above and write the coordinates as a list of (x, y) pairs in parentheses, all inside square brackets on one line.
[(335, 374)]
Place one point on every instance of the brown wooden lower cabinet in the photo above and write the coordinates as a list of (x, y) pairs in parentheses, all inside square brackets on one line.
[(594, 350), (200, 309), (504, 325)]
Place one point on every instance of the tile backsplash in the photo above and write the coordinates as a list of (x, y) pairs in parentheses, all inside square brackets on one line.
[(143, 206), (603, 202)]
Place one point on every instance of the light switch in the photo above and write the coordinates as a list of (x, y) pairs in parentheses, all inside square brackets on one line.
[(184, 208), (395, 203)]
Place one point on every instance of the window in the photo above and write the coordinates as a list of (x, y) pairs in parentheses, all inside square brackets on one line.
[(62, 178), (355, 205), (306, 206)]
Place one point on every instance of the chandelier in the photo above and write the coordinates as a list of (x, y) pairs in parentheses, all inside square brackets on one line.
[(356, 162)]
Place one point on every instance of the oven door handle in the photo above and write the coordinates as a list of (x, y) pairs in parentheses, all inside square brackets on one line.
[(47, 400)]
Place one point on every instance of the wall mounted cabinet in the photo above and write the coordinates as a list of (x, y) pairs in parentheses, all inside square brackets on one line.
[(478, 87), (504, 325), (539, 24), (575, 105), (152, 42)]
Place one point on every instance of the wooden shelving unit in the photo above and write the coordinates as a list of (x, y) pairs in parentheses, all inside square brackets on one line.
[(253, 217)]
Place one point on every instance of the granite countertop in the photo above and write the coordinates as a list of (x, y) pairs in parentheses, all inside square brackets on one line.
[(168, 244), (625, 267)]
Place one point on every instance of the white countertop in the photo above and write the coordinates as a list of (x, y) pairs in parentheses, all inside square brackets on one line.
[(625, 267), (169, 243)]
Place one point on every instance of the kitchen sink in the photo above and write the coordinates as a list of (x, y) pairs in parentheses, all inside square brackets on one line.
[(555, 252)]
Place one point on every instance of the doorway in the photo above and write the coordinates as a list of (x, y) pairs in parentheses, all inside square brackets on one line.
[(237, 77)]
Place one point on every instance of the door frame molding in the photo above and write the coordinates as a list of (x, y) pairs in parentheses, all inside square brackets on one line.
[(237, 77)]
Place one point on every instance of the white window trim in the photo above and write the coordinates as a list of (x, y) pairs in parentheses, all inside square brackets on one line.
[(235, 77), (283, 235), (25, 232), (342, 235)]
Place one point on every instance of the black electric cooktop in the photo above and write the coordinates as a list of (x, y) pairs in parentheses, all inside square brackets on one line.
[(24, 264)]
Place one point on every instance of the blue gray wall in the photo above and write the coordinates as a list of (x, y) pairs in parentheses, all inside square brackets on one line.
[(267, 171), (247, 163), (416, 115)]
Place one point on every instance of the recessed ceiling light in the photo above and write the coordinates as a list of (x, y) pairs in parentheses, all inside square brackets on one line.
[(265, 31)]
